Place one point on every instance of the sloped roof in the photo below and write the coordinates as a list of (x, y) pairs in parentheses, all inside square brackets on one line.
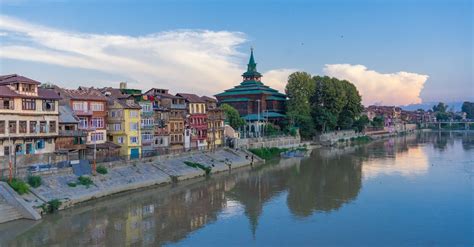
[(128, 104), (84, 93), (66, 115), (43, 93), (14, 78), (191, 98), (263, 116), (164, 95), (206, 98)]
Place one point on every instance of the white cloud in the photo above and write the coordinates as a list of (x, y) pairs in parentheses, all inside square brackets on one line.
[(398, 88), (200, 61), (277, 78)]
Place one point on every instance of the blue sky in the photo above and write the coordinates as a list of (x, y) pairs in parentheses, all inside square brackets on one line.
[(386, 48)]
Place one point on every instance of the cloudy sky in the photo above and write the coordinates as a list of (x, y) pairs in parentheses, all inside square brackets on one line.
[(395, 52)]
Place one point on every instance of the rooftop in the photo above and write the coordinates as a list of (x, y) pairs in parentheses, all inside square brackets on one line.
[(14, 78), (191, 98)]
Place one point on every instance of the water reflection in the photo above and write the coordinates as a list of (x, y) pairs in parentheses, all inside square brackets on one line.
[(325, 182)]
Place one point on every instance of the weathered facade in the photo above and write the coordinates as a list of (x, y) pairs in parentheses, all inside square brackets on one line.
[(29, 123), (71, 140), (197, 120), (215, 123)]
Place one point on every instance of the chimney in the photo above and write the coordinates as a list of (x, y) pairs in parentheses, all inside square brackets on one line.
[(123, 85)]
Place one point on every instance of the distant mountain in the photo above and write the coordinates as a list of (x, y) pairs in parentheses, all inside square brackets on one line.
[(455, 106)]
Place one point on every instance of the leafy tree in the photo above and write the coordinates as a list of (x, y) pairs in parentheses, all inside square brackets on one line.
[(378, 121), (360, 123), (468, 108), (442, 116), (299, 89), (440, 107), (335, 103), (232, 116)]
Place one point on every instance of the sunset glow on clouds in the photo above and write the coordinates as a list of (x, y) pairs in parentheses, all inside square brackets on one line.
[(199, 61), (399, 88)]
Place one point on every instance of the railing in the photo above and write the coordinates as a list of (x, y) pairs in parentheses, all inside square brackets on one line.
[(72, 133), (89, 112), (178, 106)]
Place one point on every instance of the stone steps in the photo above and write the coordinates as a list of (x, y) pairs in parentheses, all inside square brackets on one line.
[(8, 212)]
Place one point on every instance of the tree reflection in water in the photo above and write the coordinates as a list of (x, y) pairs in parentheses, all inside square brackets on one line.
[(324, 182)]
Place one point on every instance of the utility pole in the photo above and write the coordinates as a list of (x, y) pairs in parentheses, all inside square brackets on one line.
[(10, 168), (258, 118), (95, 151)]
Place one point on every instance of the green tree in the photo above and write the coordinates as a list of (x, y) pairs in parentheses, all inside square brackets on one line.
[(336, 104), (299, 89), (468, 108), (378, 121), (232, 116), (361, 122), (440, 107)]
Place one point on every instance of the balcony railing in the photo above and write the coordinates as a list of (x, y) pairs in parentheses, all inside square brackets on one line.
[(72, 133), (178, 106)]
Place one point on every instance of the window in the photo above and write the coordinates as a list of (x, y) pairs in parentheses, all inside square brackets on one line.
[(12, 127), (120, 140), (116, 113), (6, 103), (134, 139), (33, 127), (97, 122), (52, 126), (6, 150), (28, 88), (97, 106), (2, 127), (147, 137), (146, 108), (116, 127), (40, 144), (79, 106), (28, 104), (133, 113), (49, 105), (42, 127), (23, 127), (133, 126), (97, 136), (147, 122), (83, 123), (29, 148)]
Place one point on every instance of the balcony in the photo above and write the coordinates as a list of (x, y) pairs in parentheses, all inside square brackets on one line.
[(72, 133), (83, 113), (178, 106)]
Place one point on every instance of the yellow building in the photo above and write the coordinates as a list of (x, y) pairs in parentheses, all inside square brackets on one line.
[(123, 123)]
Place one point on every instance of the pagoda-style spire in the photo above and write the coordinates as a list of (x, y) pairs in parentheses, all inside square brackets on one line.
[(251, 73)]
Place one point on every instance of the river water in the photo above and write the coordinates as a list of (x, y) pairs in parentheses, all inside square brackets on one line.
[(412, 190)]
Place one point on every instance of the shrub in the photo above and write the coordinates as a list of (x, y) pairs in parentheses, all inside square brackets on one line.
[(86, 181), (267, 153), (34, 181), (207, 169), (19, 186), (102, 170), (72, 184), (51, 206)]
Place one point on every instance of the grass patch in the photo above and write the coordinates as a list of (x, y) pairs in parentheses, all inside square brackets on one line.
[(34, 181), (102, 170), (199, 165), (19, 186), (268, 153), (86, 181), (362, 139)]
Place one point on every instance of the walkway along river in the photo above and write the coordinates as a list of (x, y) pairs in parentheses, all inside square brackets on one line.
[(410, 190)]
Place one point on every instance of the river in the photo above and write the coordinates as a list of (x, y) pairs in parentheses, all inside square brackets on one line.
[(411, 190)]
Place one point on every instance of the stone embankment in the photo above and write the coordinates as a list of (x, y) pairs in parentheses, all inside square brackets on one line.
[(122, 177)]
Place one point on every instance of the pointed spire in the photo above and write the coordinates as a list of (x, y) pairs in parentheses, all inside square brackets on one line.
[(252, 68)]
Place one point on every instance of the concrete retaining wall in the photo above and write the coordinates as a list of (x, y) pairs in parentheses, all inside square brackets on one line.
[(16, 201)]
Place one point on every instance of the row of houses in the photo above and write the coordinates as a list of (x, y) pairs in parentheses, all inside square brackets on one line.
[(37, 119)]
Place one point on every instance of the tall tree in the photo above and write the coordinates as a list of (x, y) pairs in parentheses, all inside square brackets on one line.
[(299, 89), (440, 107), (232, 116), (468, 108)]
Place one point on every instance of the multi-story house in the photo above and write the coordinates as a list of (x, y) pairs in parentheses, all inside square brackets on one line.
[(215, 123), (90, 106), (29, 122), (162, 102), (179, 135), (70, 140), (197, 120), (123, 121)]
